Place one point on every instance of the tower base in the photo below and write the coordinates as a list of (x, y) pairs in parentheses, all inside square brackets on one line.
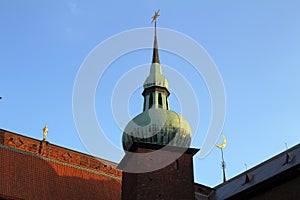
[(168, 172)]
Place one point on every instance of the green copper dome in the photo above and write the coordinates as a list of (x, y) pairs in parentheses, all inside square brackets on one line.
[(158, 126)]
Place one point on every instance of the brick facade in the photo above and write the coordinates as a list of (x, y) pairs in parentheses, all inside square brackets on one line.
[(174, 181), (33, 169)]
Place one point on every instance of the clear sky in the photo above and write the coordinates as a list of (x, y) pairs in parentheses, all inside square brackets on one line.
[(255, 45)]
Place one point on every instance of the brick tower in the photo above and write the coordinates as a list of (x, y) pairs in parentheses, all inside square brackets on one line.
[(158, 163)]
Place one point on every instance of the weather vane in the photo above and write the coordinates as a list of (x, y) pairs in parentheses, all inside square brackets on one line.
[(45, 132), (156, 14), (222, 146)]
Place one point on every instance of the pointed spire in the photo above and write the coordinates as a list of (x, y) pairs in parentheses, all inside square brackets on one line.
[(156, 85), (155, 57)]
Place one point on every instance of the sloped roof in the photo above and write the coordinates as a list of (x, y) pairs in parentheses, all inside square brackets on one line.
[(272, 172)]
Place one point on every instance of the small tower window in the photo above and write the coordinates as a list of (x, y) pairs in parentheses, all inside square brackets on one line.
[(176, 164), (150, 101), (159, 100), (167, 104)]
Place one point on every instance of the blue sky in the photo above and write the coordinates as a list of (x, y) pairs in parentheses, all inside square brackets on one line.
[(255, 44)]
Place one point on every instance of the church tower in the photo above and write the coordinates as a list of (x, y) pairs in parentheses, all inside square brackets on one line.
[(158, 163)]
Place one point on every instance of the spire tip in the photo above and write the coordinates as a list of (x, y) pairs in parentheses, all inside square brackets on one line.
[(155, 58)]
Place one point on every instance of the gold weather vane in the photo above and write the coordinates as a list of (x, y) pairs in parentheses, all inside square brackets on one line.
[(222, 146), (45, 132), (156, 14)]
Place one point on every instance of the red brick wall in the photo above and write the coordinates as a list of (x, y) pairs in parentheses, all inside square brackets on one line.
[(130, 186), (166, 183), (49, 150), (33, 169), (30, 177)]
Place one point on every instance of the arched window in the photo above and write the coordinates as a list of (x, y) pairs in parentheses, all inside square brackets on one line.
[(159, 100), (150, 101)]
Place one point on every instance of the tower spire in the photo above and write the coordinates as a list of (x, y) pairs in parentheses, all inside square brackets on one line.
[(155, 57), (156, 85), (157, 124)]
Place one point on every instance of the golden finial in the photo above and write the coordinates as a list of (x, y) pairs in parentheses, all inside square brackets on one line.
[(45, 132), (223, 145), (156, 14)]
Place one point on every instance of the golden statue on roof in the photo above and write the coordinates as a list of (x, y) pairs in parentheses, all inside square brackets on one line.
[(45, 132)]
